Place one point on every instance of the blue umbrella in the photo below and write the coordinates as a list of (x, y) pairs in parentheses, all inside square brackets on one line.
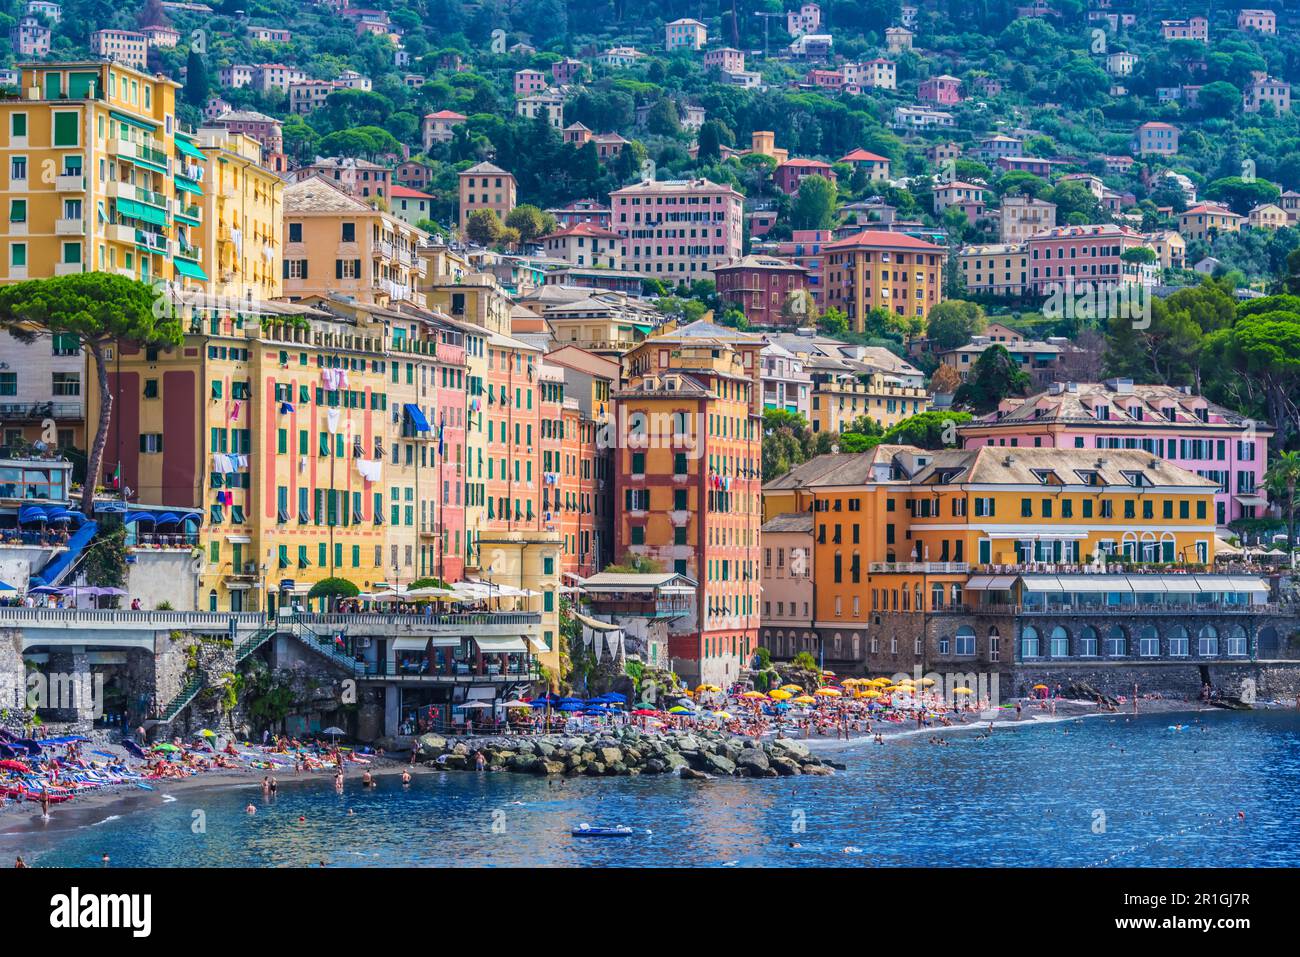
[(5, 586), (615, 696), (538, 703), (571, 706)]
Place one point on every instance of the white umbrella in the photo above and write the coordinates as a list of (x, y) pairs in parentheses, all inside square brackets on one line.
[(474, 704), (518, 704)]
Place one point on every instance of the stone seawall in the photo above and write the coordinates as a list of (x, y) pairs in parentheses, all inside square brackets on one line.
[(1173, 679)]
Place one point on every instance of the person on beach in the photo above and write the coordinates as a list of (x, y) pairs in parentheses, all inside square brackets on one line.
[(275, 786), (406, 777), (19, 863)]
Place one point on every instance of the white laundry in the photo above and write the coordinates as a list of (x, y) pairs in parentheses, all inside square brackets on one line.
[(371, 469), (332, 420)]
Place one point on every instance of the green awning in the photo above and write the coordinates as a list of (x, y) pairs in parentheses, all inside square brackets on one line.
[(189, 149), (190, 270), (133, 121), (188, 185), (134, 210)]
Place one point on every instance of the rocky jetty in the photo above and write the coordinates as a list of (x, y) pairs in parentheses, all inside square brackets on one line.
[(689, 754)]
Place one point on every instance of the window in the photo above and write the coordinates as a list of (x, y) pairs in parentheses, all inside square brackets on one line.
[(69, 384), (1060, 643), (1116, 642), (151, 442), (17, 210), (295, 232), (8, 383), (1029, 642), (1088, 642), (1149, 643), (66, 128), (965, 642)]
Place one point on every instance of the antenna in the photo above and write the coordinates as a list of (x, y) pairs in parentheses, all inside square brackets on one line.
[(767, 22)]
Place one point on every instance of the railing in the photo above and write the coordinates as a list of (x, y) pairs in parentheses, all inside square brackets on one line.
[(110, 616), (41, 410), (1190, 608), (458, 618), (918, 568), (163, 540), (251, 644)]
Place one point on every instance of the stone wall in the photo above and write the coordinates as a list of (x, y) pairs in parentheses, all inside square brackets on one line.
[(170, 576), (12, 673), (1182, 680)]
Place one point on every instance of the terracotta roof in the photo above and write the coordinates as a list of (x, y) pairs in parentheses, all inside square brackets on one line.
[(861, 156), (882, 240), (405, 192), (315, 195), (583, 229)]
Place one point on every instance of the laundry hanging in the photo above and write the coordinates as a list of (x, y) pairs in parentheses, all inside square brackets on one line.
[(332, 420), (371, 469)]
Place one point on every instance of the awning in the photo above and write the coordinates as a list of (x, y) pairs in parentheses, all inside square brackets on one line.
[(190, 270), (595, 624), (1251, 500), (1094, 583), (189, 149), (538, 647), (416, 417), (239, 539), (187, 184), (133, 121), (1249, 585), (497, 644), (410, 644), (1040, 584), (990, 583), (1181, 584), (133, 210)]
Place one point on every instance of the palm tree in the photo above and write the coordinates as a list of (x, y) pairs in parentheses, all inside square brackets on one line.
[(1283, 475)]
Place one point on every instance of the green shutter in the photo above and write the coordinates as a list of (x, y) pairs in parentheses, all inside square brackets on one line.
[(66, 128)]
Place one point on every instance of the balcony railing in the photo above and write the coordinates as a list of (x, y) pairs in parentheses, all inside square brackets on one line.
[(1100, 608), (918, 568)]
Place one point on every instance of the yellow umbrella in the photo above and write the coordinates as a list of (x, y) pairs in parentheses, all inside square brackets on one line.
[(721, 714), (852, 681), (962, 691), (871, 694), (792, 688), (1037, 687), (805, 699), (828, 674), (927, 681), (881, 681), (780, 694), (828, 692), (707, 688), (753, 694)]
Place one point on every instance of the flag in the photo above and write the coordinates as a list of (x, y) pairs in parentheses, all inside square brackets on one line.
[(442, 424)]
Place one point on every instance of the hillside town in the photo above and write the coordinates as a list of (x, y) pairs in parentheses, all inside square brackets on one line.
[(461, 353)]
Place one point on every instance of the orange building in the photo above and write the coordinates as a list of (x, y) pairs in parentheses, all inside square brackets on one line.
[(688, 485)]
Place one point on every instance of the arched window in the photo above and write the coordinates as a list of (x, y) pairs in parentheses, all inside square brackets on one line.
[(1237, 640), (1029, 642), (945, 645), (1149, 642), (1116, 642), (1207, 642), (1088, 642), (1178, 642), (1060, 642), (212, 600), (995, 645), (965, 642)]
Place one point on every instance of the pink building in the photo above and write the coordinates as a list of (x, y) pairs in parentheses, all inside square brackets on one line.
[(528, 82), (582, 211), (1193, 28), (30, 37), (1263, 21), (677, 228), (1164, 420), (727, 59), (944, 90), (804, 248), (1082, 254), (788, 584), (825, 79), (567, 70), (440, 127), (790, 173)]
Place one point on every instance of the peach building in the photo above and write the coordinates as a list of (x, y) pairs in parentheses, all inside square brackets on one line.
[(486, 186)]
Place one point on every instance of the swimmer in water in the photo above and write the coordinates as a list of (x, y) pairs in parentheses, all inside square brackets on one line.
[(302, 818), (251, 809), (406, 777)]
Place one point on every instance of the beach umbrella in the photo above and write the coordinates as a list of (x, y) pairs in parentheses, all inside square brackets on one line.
[(805, 699), (780, 694), (753, 695), (644, 712), (828, 692), (473, 704), (721, 714), (1040, 687), (703, 688), (518, 704), (871, 694), (927, 681), (571, 706), (205, 733), (962, 691), (5, 586), (18, 766), (678, 709), (166, 746)]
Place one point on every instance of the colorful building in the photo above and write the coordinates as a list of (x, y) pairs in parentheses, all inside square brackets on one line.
[(879, 270)]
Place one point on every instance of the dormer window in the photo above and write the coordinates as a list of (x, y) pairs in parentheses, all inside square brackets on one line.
[(1135, 412), (1044, 476), (1136, 479), (1088, 476), (1102, 412), (1171, 412)]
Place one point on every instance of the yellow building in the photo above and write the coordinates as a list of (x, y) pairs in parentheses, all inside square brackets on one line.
[(97, 177), (242, 219), (1207, 220), (837, 401), (880, 270), (335, 243)]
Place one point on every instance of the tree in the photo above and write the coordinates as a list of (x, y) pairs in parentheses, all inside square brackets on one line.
[(103, 310), (484, 227), (711, 138), (662, 119), (927, 430), (994, 377), (1283, 475), (1260, 356), (532, 223), (333, 588), (833, 322), (952, 323), (196, 80), (1242, 195), (946, 380), (814, 206)]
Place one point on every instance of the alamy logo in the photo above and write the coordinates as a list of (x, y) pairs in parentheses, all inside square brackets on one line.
[(75, 910)]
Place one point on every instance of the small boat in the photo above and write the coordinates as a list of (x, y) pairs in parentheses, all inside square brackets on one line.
[(619, 830)]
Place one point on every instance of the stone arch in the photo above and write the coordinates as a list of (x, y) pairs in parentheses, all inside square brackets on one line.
[(1029, 642), (1149, 642), (1177, 644), (964, 642), (1207, 642), (1058, 643), (1238, 641), (1088, 643), (1116, 642), (1267, 643)]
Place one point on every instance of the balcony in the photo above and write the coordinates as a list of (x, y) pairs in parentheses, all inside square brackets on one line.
[(193, 253), (69, 227), (67, 269), (189, 211), (918, 568), (119, 233), (154, 242), (70, 183), (143, 195)]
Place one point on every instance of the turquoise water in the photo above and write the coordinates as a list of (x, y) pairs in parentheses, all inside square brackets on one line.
[(1028, 796)]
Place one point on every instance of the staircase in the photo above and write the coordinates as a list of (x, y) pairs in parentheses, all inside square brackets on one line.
[(58, 567), (253, 642), (181, 701), (324, 646)]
